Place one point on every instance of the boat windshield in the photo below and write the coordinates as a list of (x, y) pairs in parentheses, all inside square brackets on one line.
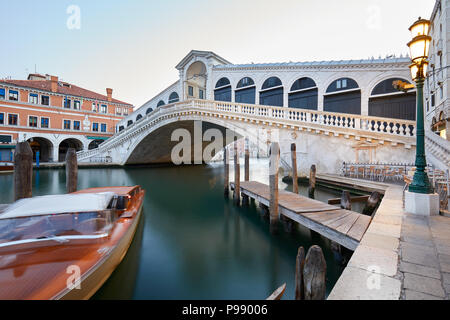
[(56, 227)]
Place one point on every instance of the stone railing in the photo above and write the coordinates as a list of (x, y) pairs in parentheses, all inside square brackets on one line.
[(394, 130), (439, 149)]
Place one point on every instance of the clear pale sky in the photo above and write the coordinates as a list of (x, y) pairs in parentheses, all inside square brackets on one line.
[(133, 46)]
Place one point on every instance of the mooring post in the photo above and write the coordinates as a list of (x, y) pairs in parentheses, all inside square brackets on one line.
[(23, 171), (294, 168), (237, 177), (371, 204), (314, 274), (346, 202), (71, 170), (245, 198), (312, 181), (273, 183), (226, 165), (299, 283)]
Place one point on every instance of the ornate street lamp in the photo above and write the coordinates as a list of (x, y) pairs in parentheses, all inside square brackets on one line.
[(419, 47)]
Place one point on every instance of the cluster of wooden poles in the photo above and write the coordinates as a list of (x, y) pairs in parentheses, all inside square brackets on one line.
[(23, 171)]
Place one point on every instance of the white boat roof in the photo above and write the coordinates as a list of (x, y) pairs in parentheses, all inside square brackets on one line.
[(54, 204)]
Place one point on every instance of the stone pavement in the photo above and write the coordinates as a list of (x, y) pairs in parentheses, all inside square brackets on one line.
[(424, 257), (401, 256)]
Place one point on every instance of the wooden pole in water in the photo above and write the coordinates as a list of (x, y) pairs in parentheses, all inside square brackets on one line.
[(371, 204), (237, 177), (23, 171), (314, 274), (226, 165), (247, 161), (299, 283), (71, 170), (312, 181), (273, 182), (294, 168), (346, 202)]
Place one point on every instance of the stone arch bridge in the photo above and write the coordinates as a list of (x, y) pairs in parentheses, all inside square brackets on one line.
[(323, 138)]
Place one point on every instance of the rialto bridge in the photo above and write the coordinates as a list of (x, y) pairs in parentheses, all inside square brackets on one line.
[(344, 111)]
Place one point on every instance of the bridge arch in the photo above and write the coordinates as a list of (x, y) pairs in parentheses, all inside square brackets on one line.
[(160, 103), (245, 91), (138, 117), (223, 90), (304, 94), (195, 79), (343, 95), (149, 110), (173, 98), (271, 92)]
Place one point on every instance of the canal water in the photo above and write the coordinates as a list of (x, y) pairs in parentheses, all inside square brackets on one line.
[(192, 243)]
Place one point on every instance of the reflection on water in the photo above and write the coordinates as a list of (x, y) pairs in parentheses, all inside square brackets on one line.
[(192, 243)]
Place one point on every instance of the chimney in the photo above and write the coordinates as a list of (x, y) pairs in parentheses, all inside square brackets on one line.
[(54, 81), (109, 94)]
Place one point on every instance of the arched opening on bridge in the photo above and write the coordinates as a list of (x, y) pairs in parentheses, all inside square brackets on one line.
[(222, 91), (440, 127), (245, 91), (343, 96), (173, 98), (195, 84), (129, 123), (139, 117), (271, 93), (160, 103), (149, 110), (386, 101), (43, 146), (65, 145), (304, 94), (121, 128), (95, 143)]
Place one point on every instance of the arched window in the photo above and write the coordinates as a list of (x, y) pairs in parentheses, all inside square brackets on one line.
[(222, 92), (149, 110), (343, 96), (271, 93), (121, 128), (129, 123), (160, 103), (139, 117), (386, 101), (245, 91), (304, 94), (173, 97)]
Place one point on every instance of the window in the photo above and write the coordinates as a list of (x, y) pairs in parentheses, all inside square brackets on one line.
[(67, 124), (32, 121), (94, 108), (13, 119), (103, 127), (45, 100), (95, 126), (201, 94), (2, 118), (119, 111), (432, 100), (104, 108), (67, 103), (190, 91), (44, 122), (125, 111), (13, 95), (2, 93), (33, 98), (76, 125), (77, 105)]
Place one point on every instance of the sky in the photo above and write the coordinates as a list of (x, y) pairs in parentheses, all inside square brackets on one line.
[(133, 46)]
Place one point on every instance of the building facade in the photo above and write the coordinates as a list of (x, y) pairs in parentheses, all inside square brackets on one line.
[(53, 116), (436, 91), (362, 87)]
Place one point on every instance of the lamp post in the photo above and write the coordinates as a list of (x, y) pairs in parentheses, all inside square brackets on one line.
[(419, 47)]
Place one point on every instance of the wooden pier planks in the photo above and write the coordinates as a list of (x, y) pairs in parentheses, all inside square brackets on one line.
[(342, 226)]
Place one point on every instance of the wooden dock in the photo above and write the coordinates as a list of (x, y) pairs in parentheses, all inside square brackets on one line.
[(339, 225)]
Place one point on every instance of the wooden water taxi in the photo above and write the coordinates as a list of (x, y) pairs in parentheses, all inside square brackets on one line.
[(66, 246)]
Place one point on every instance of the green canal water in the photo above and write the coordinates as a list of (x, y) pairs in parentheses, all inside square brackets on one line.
[(192, 243)]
